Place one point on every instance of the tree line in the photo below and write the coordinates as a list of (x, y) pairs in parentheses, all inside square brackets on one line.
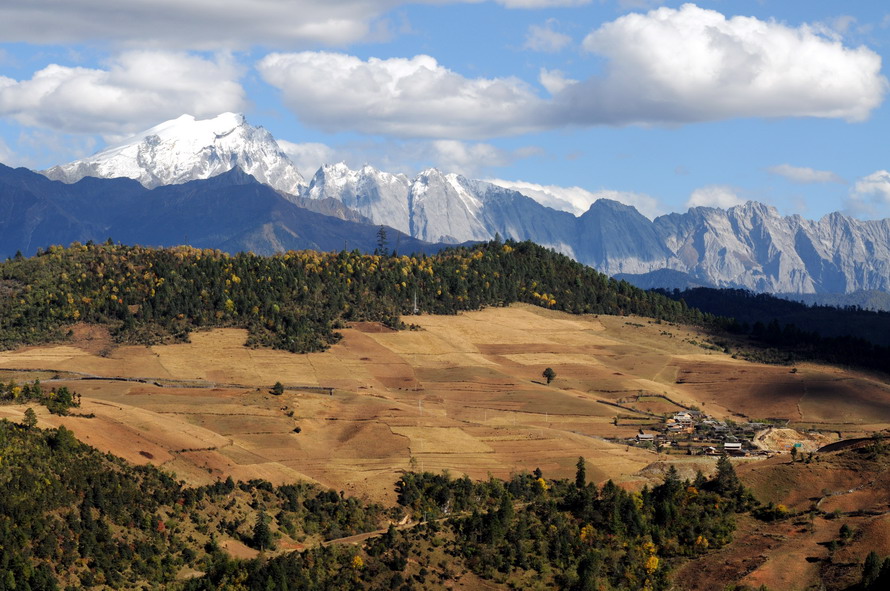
[(295, 300)]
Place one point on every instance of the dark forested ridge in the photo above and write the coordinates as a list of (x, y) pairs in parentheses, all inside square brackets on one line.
[(787, 331), (296, 300)]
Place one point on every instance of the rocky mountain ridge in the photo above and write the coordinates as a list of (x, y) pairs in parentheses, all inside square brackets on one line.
[(750, 245), (187, 149)]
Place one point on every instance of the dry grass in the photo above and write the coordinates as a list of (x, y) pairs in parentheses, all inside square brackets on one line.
[(463, 393)]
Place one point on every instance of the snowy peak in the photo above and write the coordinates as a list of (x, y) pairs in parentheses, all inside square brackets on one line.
[(186, 149), (379, 196)]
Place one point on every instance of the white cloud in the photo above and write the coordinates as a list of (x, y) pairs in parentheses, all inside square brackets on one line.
[(192, 24), (554, 81), (413, 97), (805, 175), (467, 159), (870, 196), (7, 156), (308, 157), (471, 159), (546, 38), (721, 196), (206, 25), (691, 64), (664, 67), (137, 90), (40, 148), (576, 200)]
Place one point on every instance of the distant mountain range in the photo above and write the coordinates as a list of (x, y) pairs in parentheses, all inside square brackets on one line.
[(231, 212), (748, 246)]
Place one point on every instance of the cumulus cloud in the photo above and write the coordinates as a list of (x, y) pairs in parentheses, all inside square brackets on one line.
[(691, 64), (468, 158), (555, 81), (870, 196), (138, 89), (805, 175), (721, 196), (414, 97), (577, 200), (668, 66), (546, 38), (308, 157)]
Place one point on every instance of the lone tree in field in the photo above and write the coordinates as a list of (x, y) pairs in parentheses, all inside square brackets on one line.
[(278, 389), (549, 374)]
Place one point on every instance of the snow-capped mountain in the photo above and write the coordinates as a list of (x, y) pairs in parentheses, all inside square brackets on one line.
[(749, 245), (379, 196), (186, 149)]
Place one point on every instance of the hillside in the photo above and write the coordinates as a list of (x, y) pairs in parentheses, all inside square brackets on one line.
[(460, 393), (231, 211), (293, 301), (764, 309), (152, 342), (296, 300)]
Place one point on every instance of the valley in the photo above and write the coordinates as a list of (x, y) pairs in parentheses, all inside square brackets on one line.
[(464, 394)]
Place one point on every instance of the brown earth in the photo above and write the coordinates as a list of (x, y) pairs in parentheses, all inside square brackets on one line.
[(465, 393)]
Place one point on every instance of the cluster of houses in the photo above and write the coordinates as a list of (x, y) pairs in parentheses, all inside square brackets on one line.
[(703, 435)]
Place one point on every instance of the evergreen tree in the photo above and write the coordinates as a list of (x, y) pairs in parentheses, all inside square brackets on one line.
[(30, 418), (871, 570), (262, 534), (580, 473)]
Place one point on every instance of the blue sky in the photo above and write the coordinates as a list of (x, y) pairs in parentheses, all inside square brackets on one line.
[(663, 105)]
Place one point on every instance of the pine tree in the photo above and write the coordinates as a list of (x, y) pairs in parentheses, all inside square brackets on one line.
[(871, 570), (30, 419), (580, 473), (262, 535)]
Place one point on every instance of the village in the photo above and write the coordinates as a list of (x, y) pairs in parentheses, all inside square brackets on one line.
[(692, 432)]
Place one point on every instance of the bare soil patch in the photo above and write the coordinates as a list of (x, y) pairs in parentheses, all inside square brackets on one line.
[(464, 393)]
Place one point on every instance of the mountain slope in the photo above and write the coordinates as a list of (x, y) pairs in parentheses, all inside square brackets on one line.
[(754, 247), (186, 149), (232, 212), (749, 246)]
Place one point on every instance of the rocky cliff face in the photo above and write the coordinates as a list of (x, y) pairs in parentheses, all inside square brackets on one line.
[(752, 246), (380, 197)]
